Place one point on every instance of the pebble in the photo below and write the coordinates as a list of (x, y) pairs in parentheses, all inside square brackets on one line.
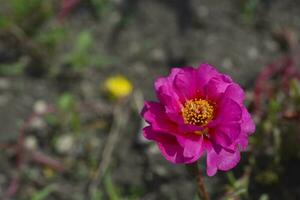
[(153, 150), (87, 89), (115, 17), (95, 143), (227, 63), (158, 54), (134, 48), (140, 68), (252, 53), (271, 45), (30, 143), (65, 144), (40, 107), (38, 123), (211, 39), (4, 99), (203, 11), (4, 84), (2, 178), (161, 170)]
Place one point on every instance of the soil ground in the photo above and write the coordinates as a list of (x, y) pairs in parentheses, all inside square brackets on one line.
[(156, 36)]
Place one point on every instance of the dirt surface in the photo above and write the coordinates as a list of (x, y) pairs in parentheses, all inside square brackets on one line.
[(155, 36)]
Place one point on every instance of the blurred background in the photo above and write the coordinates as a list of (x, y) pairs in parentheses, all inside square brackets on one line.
[(74, 75)]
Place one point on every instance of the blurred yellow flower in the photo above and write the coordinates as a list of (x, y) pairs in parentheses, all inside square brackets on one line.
[(48, 172), (118, 86)]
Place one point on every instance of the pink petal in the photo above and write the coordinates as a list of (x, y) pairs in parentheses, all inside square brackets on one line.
[(248, 124), (205, 73), (185, 83), (174, 152), (235, 92), (228, 160), (192, 145), (242, 141), (154, 114), (167, 144), (223, 161), (220, 138), (211, 162), (211, 91), (165, 91), (232, 130), (228, 111), (152, 135), (211, 166)]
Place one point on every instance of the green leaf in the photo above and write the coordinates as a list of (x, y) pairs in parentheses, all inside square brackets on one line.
[(264, 197), (83, 42), (66, 102), (3, 21), (111, 189), (13, 68), (44, 193), (23, 8), (97, 195), (249, 9), (52, 37), (102, 6), (80, 55), (52, 119)]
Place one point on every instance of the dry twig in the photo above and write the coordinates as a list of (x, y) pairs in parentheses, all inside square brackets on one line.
[(120, 117)]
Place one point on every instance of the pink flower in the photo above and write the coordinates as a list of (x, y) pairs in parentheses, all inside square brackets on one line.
[(199, 110)]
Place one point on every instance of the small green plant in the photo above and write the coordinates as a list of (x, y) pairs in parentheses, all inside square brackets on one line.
[(102, 6), (97, 195), (44, 193), (13, 69), (79, 57), (3, 21), (28, 14), (52, 37), (67, 104), (249, 8), (112, 191)]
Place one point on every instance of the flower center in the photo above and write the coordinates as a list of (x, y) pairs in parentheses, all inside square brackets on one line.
[(197, 112)]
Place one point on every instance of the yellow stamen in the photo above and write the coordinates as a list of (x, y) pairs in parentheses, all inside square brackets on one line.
[(197, 112)]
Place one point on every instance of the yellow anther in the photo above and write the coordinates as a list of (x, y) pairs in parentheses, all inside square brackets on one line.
[(197, 112)]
